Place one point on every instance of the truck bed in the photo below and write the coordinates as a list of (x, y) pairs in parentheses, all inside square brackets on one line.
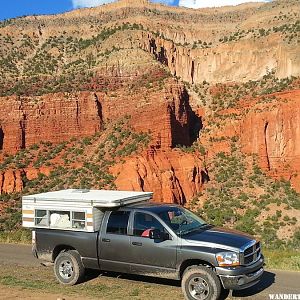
[(50, 242)]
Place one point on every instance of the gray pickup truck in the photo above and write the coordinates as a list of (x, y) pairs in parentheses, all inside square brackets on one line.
[(161, 240)]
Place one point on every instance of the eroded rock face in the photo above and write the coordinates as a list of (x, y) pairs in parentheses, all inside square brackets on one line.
[(271, 131), (240, 61), (173, 176), (55, 118), (11, 181), (169, 118), (123, 58), (167, 115)]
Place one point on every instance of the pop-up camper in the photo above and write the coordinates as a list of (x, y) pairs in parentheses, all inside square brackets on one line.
[(74, 209)]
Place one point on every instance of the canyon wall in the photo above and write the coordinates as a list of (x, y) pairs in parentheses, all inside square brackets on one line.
[(173, 176), (131, 48), (271, 131), (25, 121), (166, 115), (267, 127), (239, 61)]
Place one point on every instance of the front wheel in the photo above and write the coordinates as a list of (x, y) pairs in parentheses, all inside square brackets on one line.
[(68, 268), (200, 283)]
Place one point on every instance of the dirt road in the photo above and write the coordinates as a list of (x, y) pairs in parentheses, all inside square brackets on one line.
[(273, 281)]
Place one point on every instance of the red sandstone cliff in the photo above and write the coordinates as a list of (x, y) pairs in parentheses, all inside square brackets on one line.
[(129, 78), (25, 121), (271, 130), (267, 126), (57, 117), (173, 176)]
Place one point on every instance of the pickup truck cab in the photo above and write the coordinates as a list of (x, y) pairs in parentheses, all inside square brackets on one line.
[(151, 239)]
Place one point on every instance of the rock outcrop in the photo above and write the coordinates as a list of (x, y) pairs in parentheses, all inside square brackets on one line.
[(267, 127), (57, 117), (271, 131), (238, 61), (11, 181), (122, 60), (173, 176)]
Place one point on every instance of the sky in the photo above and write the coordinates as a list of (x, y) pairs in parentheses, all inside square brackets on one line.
[(16, 8)]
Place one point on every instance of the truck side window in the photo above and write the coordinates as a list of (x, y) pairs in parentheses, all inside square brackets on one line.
[(143, 223), (118, 222)]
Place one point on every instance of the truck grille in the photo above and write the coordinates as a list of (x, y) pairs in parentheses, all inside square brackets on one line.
[(251, 254)]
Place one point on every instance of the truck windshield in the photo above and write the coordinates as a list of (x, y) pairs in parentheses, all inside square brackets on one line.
[(181, 220)]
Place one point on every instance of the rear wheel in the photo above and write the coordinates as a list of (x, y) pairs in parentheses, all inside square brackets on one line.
[(68, 268), (200, 283)]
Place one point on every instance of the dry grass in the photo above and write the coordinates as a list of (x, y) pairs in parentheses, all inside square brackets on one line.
[(108, 286)]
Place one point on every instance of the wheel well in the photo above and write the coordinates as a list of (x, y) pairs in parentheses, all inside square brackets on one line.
[(193, 262), (59, 249)]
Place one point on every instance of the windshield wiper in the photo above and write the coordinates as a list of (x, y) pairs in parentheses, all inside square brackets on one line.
[(194, 229)]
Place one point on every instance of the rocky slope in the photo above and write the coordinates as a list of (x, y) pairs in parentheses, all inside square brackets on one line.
[(148, 97), (216, 45), (173, 176)]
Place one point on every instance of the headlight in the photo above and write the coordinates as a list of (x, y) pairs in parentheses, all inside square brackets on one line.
[(228, 259)]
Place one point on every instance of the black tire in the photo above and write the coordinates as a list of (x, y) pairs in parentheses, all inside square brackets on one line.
[(68, 268), (200, 283)]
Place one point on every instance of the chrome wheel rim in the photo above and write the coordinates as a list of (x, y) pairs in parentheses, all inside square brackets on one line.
[(198, 288), (66, 269)]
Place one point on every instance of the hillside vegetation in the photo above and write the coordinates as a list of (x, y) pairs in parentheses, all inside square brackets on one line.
[(202, 72)]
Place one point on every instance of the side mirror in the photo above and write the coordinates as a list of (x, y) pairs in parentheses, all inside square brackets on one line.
[(167, 236), (155, 234)]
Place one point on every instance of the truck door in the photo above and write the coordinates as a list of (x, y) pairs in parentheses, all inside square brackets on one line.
[(114, 242), (152, 257)]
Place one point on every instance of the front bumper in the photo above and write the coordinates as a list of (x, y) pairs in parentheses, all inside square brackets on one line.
[(242, 277)]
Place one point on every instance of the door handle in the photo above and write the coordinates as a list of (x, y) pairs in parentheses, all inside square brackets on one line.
[(137, 244), (106, 240)]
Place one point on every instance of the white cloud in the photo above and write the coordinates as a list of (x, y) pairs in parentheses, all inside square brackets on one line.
[(214, 3), (89, 3)]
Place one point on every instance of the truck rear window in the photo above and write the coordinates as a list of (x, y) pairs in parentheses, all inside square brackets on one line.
[(118, 222)]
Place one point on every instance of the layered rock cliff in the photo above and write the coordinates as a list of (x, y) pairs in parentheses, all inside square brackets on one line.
[(266, 127), (29, 120), (173, 176), (57, 117), (270, 130), (216, 45), (132, 59), (239, 61)]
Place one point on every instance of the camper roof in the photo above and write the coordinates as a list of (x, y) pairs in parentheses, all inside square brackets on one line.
[(96, 198)]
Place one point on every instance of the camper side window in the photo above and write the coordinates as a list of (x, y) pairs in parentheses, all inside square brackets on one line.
[(41, 217), (60, 219), (78, 219)]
